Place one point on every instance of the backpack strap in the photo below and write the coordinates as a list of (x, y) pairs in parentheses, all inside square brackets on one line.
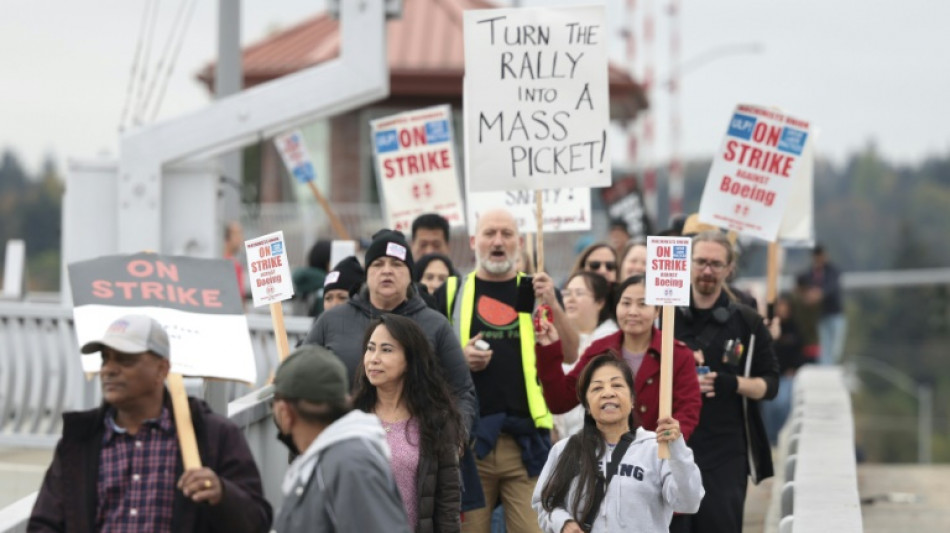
[(619, 451)]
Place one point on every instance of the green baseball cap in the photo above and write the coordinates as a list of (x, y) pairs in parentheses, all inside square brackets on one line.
[(312, 373)]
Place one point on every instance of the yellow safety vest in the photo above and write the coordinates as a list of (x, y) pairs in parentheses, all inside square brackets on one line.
[(462, 320)]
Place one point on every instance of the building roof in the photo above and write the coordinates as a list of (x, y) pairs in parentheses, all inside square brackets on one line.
[(418, 67)]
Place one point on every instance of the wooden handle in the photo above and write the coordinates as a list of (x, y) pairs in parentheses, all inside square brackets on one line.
[(280, 332), (666, 374), (540, 234), (338, 227), (183, 424), (771, 290)]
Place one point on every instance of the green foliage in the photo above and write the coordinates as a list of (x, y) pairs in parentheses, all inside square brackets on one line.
[(31, 209)]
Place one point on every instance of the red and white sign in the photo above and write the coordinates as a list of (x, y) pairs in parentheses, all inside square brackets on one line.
[(197, 301), (755, 172), (668, 270), (269, 269), (563, 209), (415, 166)]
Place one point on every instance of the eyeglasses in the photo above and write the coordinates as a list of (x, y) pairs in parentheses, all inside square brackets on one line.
[(716, 266), (595, 265)]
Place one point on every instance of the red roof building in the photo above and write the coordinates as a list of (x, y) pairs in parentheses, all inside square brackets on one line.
[(426, 62)]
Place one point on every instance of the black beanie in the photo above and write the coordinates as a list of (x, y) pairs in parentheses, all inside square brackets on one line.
[(388, 243), (347, 275)]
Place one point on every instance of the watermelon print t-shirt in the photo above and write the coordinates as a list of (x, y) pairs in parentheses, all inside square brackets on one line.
[(500, 386)]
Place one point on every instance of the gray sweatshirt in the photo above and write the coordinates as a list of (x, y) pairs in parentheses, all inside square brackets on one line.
[(342, 328), (343, 482), (641, 497)]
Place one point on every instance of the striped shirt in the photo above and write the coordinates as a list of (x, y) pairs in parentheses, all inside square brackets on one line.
[(136, 483)]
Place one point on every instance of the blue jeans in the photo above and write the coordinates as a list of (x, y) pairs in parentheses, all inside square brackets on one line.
[(775, 411), (832, 330)]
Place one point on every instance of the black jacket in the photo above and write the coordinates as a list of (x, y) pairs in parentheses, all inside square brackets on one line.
[(731, 320), (67, 498)]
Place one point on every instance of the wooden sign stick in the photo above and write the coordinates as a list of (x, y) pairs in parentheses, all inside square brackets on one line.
[(771, 290), (540, 234), (666, 374), (338, 227), (280, 332), (183, 424)]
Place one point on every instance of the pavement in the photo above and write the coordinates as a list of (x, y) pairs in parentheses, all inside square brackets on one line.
[(21, 472), (899, 498)]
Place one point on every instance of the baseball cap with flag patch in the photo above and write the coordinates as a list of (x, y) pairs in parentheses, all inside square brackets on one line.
[(132, 334)]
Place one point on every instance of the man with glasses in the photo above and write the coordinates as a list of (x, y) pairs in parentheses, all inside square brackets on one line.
[(731, 339)]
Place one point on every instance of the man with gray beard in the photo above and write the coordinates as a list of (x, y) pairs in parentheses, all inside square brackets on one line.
[(491, 309)]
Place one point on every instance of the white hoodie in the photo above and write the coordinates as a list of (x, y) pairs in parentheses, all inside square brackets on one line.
[(642, 496)]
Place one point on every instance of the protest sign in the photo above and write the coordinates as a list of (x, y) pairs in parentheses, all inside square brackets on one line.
[(295, 156), (536, 98), (753, 175), (668, 270), (196, 300), (798, 224), (564, 209), (416, 166), (268, 268), (625, 202)]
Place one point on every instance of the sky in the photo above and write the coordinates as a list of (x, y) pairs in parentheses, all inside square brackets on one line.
[(860, 71)]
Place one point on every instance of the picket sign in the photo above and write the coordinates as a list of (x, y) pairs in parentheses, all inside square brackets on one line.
[(668, 285), (299, 164), (416, 167), (271, 283)]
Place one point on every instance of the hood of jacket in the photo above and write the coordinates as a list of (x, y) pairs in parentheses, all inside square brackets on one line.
[(354, 425)]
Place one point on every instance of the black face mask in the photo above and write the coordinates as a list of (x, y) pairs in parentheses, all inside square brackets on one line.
[(287, 440)]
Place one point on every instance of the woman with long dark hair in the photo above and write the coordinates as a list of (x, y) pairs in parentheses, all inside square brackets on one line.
[(637, 343), (399, 381), (599, 258), (583, 487)]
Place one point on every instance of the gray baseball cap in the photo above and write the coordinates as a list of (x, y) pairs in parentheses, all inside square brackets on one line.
[(132, 334)]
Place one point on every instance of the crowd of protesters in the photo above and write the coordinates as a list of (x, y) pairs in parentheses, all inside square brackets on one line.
[(431, 400)]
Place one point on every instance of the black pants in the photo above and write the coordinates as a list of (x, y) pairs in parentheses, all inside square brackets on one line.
[(722, 508)]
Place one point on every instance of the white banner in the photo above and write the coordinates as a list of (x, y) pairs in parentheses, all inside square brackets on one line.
[(668, 270), (563, 209), (536, 98), (415, 166), (269, 269), (754, 173)]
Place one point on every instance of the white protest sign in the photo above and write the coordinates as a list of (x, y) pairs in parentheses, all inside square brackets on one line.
[(753, 175), (564, 209), (340, 250), (536, 98), (798, 224), (295, 156), (269, 269), (197, 301), (415, 166), (668, 270)]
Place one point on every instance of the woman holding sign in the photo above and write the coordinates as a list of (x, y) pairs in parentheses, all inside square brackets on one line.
[(638, 491), (400, 382), (637, 343)]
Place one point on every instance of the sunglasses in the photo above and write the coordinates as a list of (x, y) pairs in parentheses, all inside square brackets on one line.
[(595, 265)]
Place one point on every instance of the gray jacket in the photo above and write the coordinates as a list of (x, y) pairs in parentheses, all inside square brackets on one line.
[(343, 482), (342, 328)]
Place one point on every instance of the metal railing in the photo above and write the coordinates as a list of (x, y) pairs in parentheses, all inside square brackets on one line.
[(41, 376)]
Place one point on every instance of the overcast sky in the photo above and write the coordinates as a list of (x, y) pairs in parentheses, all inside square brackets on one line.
[(859, 70)]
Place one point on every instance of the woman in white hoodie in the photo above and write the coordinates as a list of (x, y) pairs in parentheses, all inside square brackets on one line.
[(643, 491)]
